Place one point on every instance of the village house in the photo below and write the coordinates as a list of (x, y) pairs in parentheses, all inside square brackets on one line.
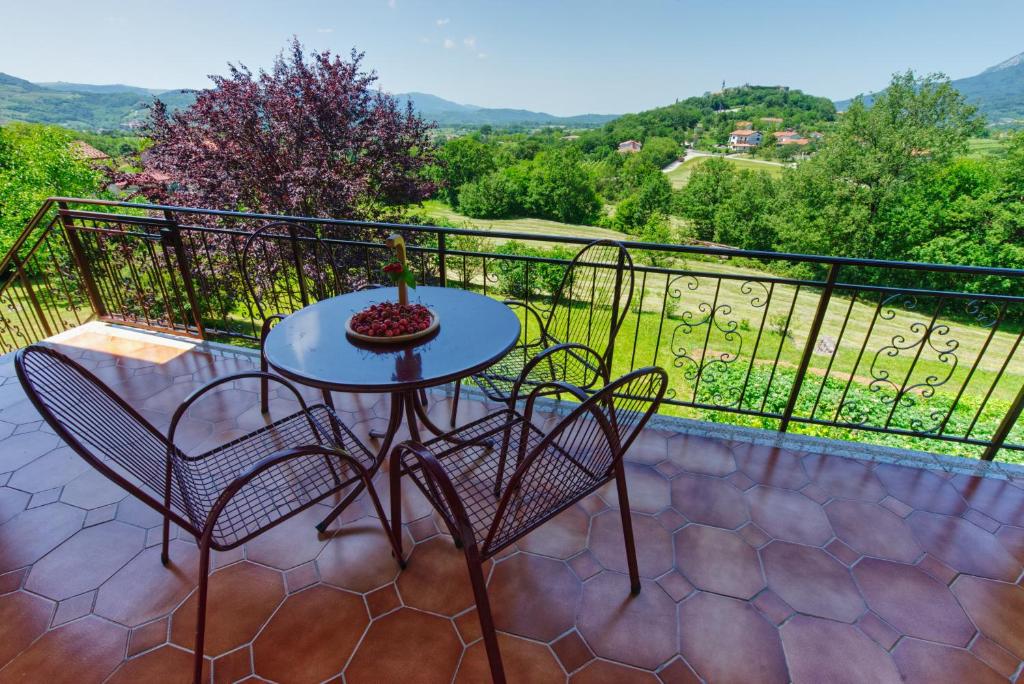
[(742, 139), (87, 153), (790, 138), (629, 146)]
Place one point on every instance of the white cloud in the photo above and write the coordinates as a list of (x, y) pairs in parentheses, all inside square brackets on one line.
[(325, 30), (443, 22), (449, 43), (470, 42)]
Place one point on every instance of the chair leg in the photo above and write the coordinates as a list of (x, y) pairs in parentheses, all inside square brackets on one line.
[(204, 584), (483, 610), (328, 399), (423, 397), (455, 402), (395, 479), (264, 385), (165, 550), (627, 527)]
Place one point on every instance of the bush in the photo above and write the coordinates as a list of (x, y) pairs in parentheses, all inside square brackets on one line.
[(544, 278)]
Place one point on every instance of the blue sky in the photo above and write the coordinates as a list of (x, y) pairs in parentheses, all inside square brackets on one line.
[(564, 57)]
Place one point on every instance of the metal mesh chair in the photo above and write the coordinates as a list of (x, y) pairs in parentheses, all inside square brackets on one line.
[(222, 497), (489, 498), (588, 308)]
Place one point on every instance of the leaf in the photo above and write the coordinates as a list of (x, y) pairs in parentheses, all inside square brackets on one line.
[(410, 278)]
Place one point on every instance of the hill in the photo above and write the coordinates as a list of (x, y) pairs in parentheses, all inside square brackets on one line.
[(448, 113), (998, 91), (81, 106)]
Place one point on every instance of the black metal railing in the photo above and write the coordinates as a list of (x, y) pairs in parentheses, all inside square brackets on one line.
[(904, 351)]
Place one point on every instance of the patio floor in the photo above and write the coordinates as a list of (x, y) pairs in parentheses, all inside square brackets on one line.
[(761, 565)]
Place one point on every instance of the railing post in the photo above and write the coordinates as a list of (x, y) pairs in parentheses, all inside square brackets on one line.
[(812, 338), (81, 263), (442, 250), (1003, 431), (32, 298), (173, 233)]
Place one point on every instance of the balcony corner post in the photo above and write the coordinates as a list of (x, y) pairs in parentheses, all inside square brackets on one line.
[(81, 263), (442, 251), (172, 232), (1005, 426)]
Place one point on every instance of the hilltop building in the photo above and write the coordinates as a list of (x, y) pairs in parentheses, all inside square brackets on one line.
[(630, 146)]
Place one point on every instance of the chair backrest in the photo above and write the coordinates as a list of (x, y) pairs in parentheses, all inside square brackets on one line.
[(593, 299), (99, 425), (579, 454), (284, 268)]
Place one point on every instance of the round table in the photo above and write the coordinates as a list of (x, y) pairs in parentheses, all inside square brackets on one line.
[(312, 348)]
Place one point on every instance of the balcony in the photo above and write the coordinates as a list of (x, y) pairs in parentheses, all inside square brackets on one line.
[(766, 555)]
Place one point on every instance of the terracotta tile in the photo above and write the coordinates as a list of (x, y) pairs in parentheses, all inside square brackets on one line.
[(878, 630), (843, 477), (872, 530), (675, 585), (709, 500), (771, 465), (773, 607), (73, 608), (572, 651), (922, 489), (719, 561), (220, 559), (12, 502), (824, 651), (242, 596), (604, 672), (995, 498), (134, 512), (300, 577), (921, 662), (789, 516), (54, 469), (585, 565), (1012, 539), (524, 661), (912, 602), (995, 608), (668, 469), (144, 589), (981, 520), (165, 664), (896, 506), (700, 455), (843, 553), (467, 624), (359, 557), (383, 600), (436, 578), (20, 450), (311, 637), (293, 542), (45, 497), (610, 618), (91, 490), (937, 569), (98, 516), (85, 650), (649, 448), (533, 596), (754, 535), (12, 581), (147, 636), (421, 529), (811, 581), (232, 667), (23, 618), (678, 672), (815, 493), (995, 656), (648, 489), (963, 546), (429, 645), (653, 543), (562, 537), (740, 480), (32, 534), (707, 621), (670, 519), (593, 504), (85, 561)]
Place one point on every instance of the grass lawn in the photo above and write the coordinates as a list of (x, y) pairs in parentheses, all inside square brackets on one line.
[(436, 209), (982, 148), (681, 174)]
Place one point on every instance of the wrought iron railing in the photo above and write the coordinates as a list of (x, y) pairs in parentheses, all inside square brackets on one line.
[(904, 351)]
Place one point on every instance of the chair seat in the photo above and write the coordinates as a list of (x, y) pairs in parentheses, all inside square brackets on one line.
[(472, 468), (277, 492), (497, 380)]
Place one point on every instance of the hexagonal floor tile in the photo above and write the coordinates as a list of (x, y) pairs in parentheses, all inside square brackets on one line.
[(561, 537), (22, 449), (922, 489), (701, 455), (610, 618), (771, 465), (144, 589), (789, 516), (995, 607), (311, 637), (726, 640), (820, 650), (653, 543), (648, 489), (719, 561), (32, 534), (23, 618), (811, 581), (913, 602), (86, 560), (921, 662), (995, 498), (54, 469), (241, 598), (963, 546), (523, 661), (844, 477), (293, 542), (167, 665), (85, 650), (437, 578), (605, 672), (872, 530), (429, 646), (534, 597), (709, 500), (358, 557), (12, 502)]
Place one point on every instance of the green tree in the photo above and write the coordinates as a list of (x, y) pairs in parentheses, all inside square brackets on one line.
[(744, 217), (709, 187), (461, 161), (660, 151), (560, 188), (653, 198), (497, 195)]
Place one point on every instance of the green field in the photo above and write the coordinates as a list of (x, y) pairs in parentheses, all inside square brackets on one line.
[(982, 148), (438, 210), (680, 175)]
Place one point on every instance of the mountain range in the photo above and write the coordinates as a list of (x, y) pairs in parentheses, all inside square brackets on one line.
[(86, 106), (998, 91)]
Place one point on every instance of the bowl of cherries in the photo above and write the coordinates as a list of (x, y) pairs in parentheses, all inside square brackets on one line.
[(392, 323)]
